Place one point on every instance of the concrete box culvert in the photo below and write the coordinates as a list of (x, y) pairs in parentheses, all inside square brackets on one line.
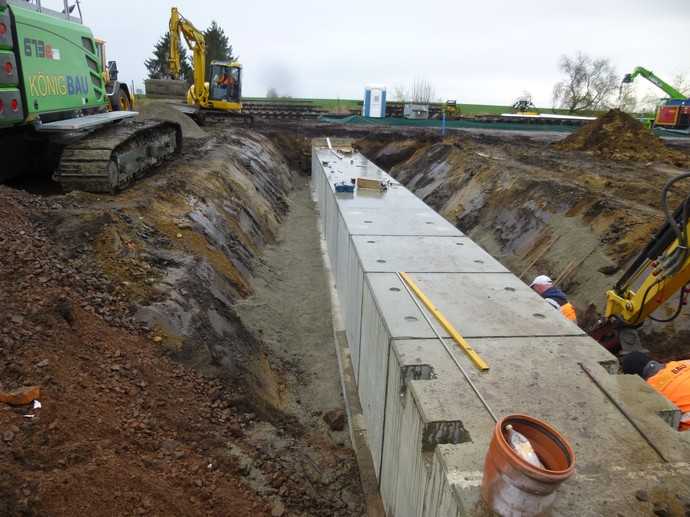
[(528, 356)]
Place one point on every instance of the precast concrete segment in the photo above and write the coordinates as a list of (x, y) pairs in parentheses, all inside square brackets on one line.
[(345, 215), (391, 254), (440, 422), (427, 431), (601, 436), (423, 254), (477, 304)]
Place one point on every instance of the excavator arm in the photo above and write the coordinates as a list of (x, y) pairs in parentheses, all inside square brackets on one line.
[(660, 271), (655, 80), (197, 44)]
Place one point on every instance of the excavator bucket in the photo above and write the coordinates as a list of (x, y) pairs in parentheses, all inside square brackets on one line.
[(627, 78)]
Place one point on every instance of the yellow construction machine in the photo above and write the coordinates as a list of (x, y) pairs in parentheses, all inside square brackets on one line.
[(223, 93), (660, 271)]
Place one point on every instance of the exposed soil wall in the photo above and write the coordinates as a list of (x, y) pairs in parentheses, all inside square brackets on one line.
[(540, 210), (158, 397), (181, 245)]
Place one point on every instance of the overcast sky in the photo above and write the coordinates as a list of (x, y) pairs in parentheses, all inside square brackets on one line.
[(474, 51)]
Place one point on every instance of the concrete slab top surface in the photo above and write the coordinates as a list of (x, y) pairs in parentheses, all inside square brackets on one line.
[(423, 254), (343, 167), (477, 304), (610, 491), (395, 198), (396, 221), (552, 387)]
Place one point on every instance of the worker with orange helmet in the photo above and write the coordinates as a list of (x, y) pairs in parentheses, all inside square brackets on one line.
[(672, 380), (554, 296)]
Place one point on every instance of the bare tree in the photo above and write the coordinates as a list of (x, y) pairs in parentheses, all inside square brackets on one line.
[(682, 84), (272, 93), (589, 83), (422, 92), (651, 100), (399, 93), (627, 100)]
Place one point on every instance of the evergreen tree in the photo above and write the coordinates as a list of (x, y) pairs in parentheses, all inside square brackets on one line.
[(218, 46), (157, 66)]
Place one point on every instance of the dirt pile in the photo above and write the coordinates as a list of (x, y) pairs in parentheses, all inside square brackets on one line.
[(618, 136)]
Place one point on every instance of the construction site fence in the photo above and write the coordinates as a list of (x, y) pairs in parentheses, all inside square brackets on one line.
[(451, 124)]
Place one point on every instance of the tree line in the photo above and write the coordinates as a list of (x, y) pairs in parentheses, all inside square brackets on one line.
[(218, 48), (588, 84)]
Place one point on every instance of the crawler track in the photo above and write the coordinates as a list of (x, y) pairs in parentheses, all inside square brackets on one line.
[(111, 158)]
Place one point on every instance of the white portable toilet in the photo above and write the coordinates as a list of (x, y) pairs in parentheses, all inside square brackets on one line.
[(374, 101)]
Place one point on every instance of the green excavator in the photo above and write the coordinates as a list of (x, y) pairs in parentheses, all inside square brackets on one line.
[(674, 113), (63, 109)]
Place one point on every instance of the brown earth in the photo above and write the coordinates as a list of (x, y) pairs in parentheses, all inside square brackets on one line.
[(618, 136), (577, 217), (123, 430), (158, 398)]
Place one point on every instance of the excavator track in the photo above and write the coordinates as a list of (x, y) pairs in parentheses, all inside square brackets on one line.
[(111, 158)]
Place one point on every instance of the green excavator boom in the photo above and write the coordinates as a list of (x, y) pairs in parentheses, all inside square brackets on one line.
[(655, 80)]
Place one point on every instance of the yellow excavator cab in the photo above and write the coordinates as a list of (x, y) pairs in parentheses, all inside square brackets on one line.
[(225, 85)]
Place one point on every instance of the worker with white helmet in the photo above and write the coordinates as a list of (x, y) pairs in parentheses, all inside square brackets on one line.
[(554, 296)]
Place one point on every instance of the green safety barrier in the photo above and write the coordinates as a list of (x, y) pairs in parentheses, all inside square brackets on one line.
[(451, 124), (468, 124)]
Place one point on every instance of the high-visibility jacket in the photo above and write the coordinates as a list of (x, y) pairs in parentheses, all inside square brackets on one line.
[(673, 382), (568, 311), (557, 298)]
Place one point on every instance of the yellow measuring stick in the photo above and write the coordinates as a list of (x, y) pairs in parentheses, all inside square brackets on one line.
[(447, 325)]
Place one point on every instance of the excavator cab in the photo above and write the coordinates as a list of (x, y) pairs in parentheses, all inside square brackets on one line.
[(226, 82)]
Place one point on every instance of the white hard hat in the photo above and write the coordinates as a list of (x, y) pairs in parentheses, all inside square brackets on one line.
[(541, 280)]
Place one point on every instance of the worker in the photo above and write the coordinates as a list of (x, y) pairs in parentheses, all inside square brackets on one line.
[(672, 380), (222, 80), (554, 296), (225, 80)]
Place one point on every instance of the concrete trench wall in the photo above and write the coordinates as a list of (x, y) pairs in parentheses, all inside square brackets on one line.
[(426, 430)]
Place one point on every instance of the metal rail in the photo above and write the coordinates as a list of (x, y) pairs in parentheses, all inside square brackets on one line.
[(449, 351), (447, 325)]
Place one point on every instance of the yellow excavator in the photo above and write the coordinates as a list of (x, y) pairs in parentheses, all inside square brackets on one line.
[(223, 93), (660, 271)]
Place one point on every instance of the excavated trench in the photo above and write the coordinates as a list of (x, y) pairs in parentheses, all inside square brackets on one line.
[(211, 251), (541, 210), (218, 258), (215, 261)]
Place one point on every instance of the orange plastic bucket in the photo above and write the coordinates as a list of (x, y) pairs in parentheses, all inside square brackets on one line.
[(513, 486)]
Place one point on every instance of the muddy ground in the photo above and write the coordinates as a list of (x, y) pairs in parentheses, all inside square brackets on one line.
[(542, 210), (183, 370)]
